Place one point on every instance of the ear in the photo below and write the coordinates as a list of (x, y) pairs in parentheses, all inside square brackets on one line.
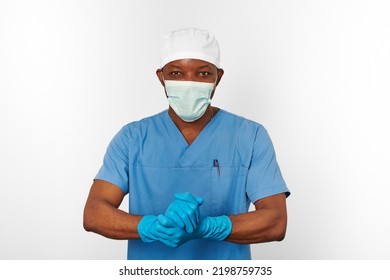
[(159, 73), (220, 74)]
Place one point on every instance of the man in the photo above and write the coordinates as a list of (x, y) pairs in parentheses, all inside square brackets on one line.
[(190, 171)]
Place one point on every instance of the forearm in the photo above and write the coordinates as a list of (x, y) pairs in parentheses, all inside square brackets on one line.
[(102, 218), (254, 227), (267, 223)]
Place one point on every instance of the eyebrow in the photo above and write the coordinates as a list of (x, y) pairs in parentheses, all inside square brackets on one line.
[(205, 66), (174, 66)]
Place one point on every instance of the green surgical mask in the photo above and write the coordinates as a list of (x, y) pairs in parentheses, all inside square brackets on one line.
[(189, 99)]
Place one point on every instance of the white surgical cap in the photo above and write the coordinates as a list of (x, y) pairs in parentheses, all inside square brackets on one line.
[(190, 43)]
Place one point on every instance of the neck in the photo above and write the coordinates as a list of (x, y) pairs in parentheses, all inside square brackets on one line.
[(191, 130)]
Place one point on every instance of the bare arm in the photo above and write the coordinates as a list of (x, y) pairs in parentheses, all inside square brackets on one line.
[(102, 216), (267, 223)]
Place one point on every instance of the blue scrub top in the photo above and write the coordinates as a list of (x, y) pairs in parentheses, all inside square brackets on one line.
[(151, 161)]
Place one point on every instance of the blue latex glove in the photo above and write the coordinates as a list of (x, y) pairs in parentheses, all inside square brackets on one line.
[(150, 230), (147, 228), (177, 235), (184, 211), (215, 228)]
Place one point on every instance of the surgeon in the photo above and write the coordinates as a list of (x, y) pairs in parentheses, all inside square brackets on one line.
[(191, 171)]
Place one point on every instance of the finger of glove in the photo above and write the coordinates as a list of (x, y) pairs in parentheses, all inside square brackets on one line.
[(172, 234), (172, 243), (163, 233), (177, 238), (199, 200), (189, 214), (174, 212), (188, 197), (188, 207), (193, 202), (192, 211), (184, 214), (165, 221), (172, 237), (168, 242)]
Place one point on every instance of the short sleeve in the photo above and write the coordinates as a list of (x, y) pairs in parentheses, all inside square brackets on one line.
[(264, 176), (115, 168)]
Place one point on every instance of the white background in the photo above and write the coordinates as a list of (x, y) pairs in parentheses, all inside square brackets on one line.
[(314, 73)]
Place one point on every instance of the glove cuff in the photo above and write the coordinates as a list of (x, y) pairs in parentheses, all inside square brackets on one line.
[(143, 226), (216, 228)]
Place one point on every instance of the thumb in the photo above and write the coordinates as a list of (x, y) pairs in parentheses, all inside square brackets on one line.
[(165, 221), (199, 200)]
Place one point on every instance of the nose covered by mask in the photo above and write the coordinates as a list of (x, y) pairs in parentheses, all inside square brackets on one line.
[(189, 99)]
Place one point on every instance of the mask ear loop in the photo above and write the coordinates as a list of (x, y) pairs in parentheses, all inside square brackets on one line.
[(165, 87)]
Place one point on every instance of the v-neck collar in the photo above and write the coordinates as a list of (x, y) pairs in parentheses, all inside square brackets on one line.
[(193, 150)]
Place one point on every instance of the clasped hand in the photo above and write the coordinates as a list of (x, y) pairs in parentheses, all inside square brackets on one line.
[(182, 222)]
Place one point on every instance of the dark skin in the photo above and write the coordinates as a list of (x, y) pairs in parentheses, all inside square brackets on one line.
[(101, 214)]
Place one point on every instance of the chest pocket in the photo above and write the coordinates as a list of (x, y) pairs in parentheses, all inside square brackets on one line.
[(228, 192)]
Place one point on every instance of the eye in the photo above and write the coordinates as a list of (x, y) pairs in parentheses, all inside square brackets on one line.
[(175, 74), (204, 74)]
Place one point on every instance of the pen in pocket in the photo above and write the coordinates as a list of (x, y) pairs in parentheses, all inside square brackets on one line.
[(216, 164)]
